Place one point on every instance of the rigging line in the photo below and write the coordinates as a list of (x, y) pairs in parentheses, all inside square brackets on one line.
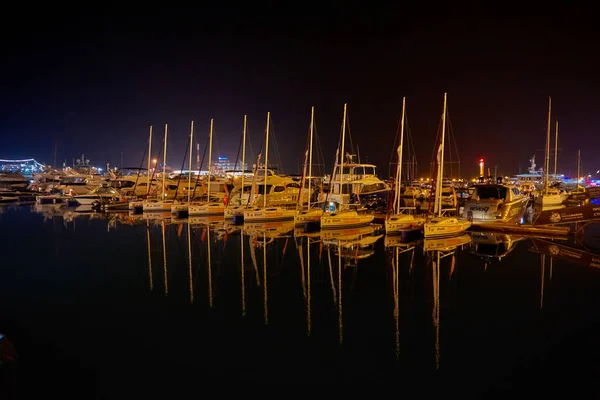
[(249, 150), (449, 136), (349, 136), (394, 148), (320, 155), (453, 138), (139, 170), (237, 157), (156, 166), (201, 164), (183, 166), (411, 150), (437, 140), (272, 138)]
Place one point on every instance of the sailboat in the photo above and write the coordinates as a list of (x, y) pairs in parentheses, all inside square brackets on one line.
[(237, 210), (309, 215), (181, 208), (138, 206), (343, 217), (162, 203), (400, 222), (209, 207), (266, 213), (443, 225), (550, 196)]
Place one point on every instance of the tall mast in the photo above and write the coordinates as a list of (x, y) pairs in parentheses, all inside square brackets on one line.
[(210, 135), (312, 121), (243, 159), (190, 168), (438, 188), (555, 150), (266, 159), (149, 159), (578, 166), (399, 166), (547, 161), (342, 156), (164, 182)]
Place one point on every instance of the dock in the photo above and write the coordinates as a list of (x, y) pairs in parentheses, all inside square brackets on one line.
[(568, 215), (524, 229)]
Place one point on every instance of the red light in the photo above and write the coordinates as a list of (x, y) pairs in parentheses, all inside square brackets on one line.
[(481, 160)]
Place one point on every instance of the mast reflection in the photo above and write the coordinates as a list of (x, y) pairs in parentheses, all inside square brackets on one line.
[(305, 276), (270, 230), (190, 275), (396, 246), (164, 242), (437, 250), (150, 280)]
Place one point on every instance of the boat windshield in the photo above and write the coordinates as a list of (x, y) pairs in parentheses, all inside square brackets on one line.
[(491, 192)]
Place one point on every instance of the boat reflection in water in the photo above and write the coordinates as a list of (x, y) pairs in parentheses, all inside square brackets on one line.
[(492, 246), (436, 251), (333, 300), (163, 220), (352, 244), (397, 249), (260, 236), (301, 239)]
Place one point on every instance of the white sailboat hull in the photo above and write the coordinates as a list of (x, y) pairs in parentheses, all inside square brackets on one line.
[(403, 223), (230, 212), (550, 199), (268, 213), (445, 226), (304, 216), (135, 205), (179, 208), (207, 209), (157, 205), (345, 219)]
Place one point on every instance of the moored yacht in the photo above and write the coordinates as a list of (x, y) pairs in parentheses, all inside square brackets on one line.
[(345, 219), (552, 196), (496, 202), (101, 194), (440, 225), (268, 213)]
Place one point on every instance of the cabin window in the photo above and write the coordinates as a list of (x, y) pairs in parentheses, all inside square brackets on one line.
[(279, 189), (261, 189), (372, 188), (491, 192)]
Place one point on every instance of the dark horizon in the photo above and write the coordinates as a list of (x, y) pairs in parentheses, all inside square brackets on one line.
[(94, 85)]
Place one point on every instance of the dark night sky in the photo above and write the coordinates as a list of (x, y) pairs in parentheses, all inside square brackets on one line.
[(95, 84)]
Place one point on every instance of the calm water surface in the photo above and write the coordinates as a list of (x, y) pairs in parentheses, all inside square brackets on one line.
[(92, 315)]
